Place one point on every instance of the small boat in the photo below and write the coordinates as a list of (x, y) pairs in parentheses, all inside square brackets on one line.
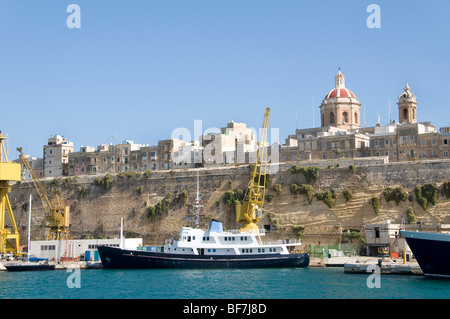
[(29, 266), (32, 263), (431, 250)]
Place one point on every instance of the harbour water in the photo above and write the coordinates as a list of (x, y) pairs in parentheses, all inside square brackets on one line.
[(302, 283)]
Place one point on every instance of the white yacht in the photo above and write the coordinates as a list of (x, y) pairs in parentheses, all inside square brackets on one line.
[(212, 248)]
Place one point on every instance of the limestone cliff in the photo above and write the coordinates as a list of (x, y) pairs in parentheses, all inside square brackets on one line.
[(153, 206)]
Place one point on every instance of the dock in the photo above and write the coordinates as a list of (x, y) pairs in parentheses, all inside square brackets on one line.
[(367, 265)]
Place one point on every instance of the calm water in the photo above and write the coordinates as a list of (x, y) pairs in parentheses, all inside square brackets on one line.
[(310, 283)]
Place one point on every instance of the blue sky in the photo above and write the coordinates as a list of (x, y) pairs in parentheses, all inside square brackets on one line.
[(137, 70)]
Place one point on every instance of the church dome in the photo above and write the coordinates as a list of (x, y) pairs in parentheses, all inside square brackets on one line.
[(339, 90), (340, 107)]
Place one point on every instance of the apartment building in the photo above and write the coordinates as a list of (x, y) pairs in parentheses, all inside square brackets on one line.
[(56, 156), (107, 158), (37, 164)]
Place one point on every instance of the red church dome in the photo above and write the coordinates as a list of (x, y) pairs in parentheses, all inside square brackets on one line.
[(339, 88), (341, 92)]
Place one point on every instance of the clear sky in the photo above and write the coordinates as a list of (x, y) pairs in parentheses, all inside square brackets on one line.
[(138, 69)]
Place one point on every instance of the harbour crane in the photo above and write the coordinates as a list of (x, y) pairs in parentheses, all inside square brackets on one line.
[(57, 217), (9, 237), (250, 212)]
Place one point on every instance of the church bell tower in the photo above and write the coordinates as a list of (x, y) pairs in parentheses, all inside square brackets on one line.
[(407, 106)]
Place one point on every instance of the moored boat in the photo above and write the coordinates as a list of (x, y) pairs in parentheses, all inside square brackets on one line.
[(431, 250), (213, 248), (29, 266)]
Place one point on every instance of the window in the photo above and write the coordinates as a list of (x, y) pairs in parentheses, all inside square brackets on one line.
[(405, 114), (344, 118), (331, 117), (386, 142), (445, 142)]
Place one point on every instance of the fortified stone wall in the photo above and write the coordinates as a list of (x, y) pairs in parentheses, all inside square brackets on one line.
[(96, 208)]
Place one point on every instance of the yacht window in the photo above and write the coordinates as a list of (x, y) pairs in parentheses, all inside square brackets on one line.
[(225, 238), (189, 238)]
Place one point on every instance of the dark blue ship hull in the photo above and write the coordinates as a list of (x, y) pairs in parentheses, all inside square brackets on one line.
[(431, 250), (29, 267), (113, 257)]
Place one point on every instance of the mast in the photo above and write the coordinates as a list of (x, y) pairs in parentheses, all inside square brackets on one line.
[(29, 229), (121, 234)]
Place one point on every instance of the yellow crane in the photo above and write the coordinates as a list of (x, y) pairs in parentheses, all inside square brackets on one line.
[(9, 238), (57, 214), (250, 212)]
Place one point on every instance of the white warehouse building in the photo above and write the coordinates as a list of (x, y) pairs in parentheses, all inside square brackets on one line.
[(75, 248)]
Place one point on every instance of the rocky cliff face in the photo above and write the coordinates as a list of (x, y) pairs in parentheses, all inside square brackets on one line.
[(154, 207)]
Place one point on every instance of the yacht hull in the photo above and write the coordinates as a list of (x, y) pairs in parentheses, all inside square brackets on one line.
[(431, 251), (113, 257)]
